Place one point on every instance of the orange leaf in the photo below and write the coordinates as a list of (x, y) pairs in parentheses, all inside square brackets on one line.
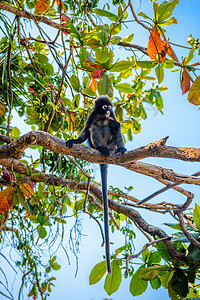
[(194, 92), (93, 85), (42, 5), (26, 189), (6, 197), (129, 95), (156, 47), (2, 109), (185, 82)]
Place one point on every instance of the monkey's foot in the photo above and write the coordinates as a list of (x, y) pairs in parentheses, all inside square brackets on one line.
[(104, 150), (70, 143), (121, 150)]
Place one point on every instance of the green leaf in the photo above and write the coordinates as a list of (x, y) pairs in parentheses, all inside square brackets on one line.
[(196, 216), (105, 13), (194, 253), (176, 226), (165, 10), (121, 66), (72, 30), (83, 55), (15, 133), (179, 283), (103, 32), (115, 40), (154, 258), (146, 64), (155, 283), (105, 86), (93, 43), (113, 282), (145, 255), (75, 83), (97, 272), (170, 21), (162, 250), (55, 266), (159, 101), (168, 64), (190, 56), (102, 55), (166, 277), (159, 73), (124, 88), (194, 92), (138, 285), (117, 29), (151, 273), (121, 249), (76, 101), (141, 14), (41, 231), (88, 92), (128, 38)]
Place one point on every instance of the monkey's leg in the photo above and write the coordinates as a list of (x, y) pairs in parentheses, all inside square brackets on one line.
[(104, 173), (96, 142)]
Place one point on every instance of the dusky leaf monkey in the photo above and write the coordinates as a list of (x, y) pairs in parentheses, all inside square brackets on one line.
[(104, 134)]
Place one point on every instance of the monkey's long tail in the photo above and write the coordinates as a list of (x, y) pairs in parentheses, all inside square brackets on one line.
[(104, 173)]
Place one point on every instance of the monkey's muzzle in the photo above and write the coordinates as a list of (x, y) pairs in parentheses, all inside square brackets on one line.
[(108, 114)]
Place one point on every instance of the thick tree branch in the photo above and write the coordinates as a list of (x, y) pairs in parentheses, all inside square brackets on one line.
[(156, 149)]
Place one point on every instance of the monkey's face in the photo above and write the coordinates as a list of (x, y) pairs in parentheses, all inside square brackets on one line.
[(106, 109)]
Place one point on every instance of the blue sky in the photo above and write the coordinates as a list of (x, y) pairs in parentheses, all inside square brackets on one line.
[(181, 122)]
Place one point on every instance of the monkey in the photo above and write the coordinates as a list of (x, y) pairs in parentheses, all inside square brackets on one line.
[(103, 133)]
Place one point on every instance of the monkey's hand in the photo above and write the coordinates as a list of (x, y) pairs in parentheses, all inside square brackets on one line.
[(104, 150), (70, 143), (121, 150)]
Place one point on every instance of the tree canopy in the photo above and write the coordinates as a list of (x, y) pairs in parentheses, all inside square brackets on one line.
[(56, 57)]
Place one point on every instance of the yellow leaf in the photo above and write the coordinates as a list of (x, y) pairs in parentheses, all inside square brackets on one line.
[(26, 189), (194, 92), (6, 197)]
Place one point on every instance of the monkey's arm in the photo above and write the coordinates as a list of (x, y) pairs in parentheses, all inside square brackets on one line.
[(83, 136), (117, 135)]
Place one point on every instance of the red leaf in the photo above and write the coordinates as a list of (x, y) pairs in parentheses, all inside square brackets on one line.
[(64, 18), (156, 47), (98, 73), (129, 95), (6, 175), (185, 82)]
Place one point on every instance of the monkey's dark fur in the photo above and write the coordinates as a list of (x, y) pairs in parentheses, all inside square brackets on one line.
[(104, 134)]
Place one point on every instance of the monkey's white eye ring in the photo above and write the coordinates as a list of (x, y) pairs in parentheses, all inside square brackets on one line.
[(109, 106), (104, 106)]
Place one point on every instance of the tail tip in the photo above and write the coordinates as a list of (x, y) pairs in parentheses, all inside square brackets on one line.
[(109, 272)]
